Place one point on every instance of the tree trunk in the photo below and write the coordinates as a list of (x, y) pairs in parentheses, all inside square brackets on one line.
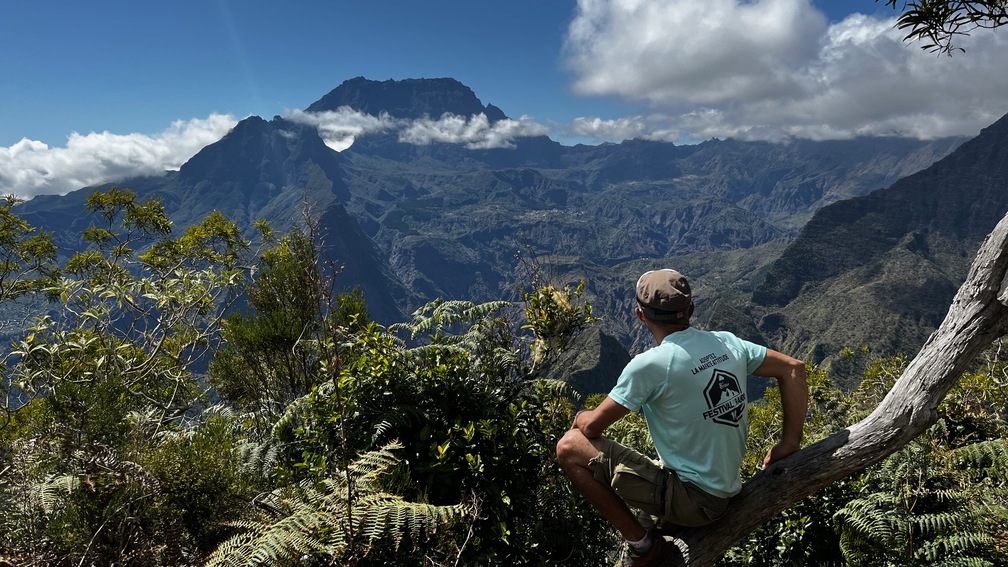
[(978, 316)]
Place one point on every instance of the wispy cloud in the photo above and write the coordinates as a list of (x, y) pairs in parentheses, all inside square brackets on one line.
[(30, 168), (339, 129), (773, 69), (611, 129), (475, 132)]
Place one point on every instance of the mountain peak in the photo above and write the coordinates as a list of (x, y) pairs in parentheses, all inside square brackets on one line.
[(407, 98), (252, 147)]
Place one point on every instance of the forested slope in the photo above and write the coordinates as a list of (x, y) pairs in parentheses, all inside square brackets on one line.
[(880, 270)]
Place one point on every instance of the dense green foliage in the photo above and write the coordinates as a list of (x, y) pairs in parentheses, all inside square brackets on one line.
[(320, 437), (148, 421), (98, 464)]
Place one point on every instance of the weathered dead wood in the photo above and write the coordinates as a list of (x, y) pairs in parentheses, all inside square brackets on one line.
[(977, 317)]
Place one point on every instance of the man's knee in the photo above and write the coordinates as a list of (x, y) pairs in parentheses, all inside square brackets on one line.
[(576, 450), (567, 446)]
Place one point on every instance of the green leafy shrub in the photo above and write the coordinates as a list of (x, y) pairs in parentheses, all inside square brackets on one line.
[(474, 430)]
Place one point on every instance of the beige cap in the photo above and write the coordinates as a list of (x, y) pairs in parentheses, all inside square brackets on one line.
[(664, 295)]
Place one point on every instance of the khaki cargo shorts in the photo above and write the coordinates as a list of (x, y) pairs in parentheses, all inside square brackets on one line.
[(654, 490)]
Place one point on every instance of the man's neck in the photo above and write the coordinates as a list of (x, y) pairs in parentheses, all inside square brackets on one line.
[(659, 332)]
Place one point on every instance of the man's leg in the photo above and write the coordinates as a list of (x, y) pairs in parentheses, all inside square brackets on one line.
[(575, 453)]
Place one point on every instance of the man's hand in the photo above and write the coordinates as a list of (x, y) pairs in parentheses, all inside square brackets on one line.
[(778, 452), (574, 424), (593, 422)]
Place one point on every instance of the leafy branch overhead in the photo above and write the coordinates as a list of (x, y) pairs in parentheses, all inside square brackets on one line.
[(937, 23)]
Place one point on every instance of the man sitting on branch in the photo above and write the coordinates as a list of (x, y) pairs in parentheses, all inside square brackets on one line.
[(691, 388)]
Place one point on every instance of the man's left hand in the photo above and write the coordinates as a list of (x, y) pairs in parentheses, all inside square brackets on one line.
[(778, 452)]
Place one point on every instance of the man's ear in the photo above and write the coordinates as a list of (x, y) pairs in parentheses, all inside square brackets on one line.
[(640, 314)]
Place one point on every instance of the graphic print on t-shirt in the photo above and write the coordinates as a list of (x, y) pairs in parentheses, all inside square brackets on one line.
[(725, 399)]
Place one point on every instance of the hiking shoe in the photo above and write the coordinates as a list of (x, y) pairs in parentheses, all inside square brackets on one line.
[(661, 553)]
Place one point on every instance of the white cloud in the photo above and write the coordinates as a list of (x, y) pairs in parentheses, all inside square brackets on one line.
[(339, 129), (30, 168), (474, 132), (773, 69), (618, 129)]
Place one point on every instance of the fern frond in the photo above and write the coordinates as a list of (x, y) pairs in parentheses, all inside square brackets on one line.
[(371, 465), (381, 429), (558, 388), (955, 561), (990, 456), (855, 548), (54, 489), (948, 495), (438, 316), (871, 509), (387, 516), (937, 523), (258, 459), (261, 543), (955, 546), (320, 522), (419, 352), (292, 413), (229, 552)]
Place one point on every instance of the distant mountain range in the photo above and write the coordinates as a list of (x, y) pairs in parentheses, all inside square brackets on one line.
[(799, 227)]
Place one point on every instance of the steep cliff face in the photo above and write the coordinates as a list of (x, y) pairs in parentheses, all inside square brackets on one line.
[(593, 363), (283, 172), (277, 171), (881, 269), (259, 170), (408, 98)]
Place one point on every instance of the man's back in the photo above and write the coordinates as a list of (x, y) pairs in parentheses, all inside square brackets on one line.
[(691, 388)]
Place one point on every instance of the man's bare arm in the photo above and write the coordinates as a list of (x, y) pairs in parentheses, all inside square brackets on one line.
[(792, 380), (593, 422)]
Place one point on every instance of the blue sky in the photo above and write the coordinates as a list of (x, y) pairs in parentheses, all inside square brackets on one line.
[(91, 91)]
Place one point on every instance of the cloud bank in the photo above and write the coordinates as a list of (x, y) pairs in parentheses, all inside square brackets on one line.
[(776, 69), (30, 168), (339, 129), (476, 133)]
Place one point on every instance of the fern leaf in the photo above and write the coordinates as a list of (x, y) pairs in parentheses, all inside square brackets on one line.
[(55, 489), (320, 522), (990, 456)]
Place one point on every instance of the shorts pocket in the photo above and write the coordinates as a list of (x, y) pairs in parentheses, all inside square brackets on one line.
[(640, 487)]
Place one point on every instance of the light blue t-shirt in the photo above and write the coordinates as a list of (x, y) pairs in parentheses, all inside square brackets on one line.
[(692, 390)]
